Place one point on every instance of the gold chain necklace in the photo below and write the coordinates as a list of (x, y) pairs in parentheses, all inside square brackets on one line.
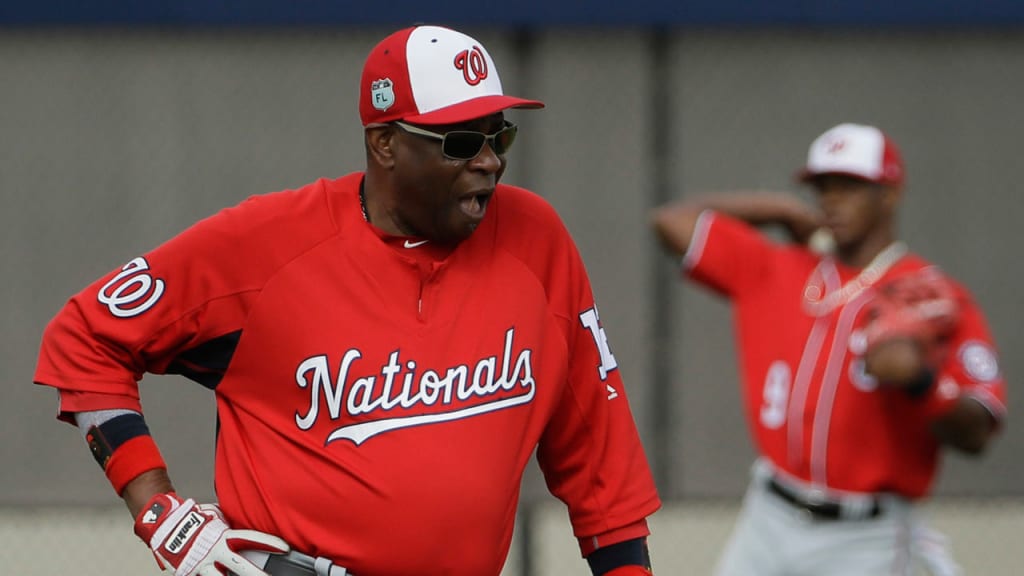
[(817, 303), (362, 202)]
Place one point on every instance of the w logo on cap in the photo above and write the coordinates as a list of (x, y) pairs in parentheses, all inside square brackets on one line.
[(836, 146), (432, 75), (856, 150), (472, 64)]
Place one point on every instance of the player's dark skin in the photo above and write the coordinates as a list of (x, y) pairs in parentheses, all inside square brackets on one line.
[(861, 216), (412, 189), (146, 485)]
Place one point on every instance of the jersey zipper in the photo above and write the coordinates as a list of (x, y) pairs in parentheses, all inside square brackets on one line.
[(428, 275)]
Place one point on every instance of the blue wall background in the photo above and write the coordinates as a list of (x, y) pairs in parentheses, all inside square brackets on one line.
[(698, 13)]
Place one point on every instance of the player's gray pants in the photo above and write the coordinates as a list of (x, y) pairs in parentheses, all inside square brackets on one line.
[(774, 538)]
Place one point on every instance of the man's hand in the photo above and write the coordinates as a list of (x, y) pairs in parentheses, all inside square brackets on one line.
[(908, 324), (194, 539), (897, 362), (803, 222)]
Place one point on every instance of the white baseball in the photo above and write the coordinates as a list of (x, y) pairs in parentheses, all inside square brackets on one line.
[(822, 242)]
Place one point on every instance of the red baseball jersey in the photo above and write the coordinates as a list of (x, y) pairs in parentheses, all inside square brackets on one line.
[(811, 408), (377, 404)]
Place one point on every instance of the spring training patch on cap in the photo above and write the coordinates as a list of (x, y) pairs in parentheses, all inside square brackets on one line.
[(382, 94)]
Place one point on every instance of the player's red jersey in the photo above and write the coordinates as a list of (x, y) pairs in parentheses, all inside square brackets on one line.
[(375, 408), (811, 408)]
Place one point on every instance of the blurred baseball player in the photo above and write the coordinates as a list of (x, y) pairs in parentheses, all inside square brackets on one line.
[(386, 349), (859, 360)]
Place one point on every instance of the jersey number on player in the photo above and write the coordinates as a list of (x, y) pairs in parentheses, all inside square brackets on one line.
[(591, 321), (776, 395)]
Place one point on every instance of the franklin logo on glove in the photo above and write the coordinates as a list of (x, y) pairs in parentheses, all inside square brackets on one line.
[(184, 532)]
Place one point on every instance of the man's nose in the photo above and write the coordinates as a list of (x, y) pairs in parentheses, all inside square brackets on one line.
[(487, 160)]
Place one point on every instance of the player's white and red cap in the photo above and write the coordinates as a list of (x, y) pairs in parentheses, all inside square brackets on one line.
[(432, 75), (855, 150)]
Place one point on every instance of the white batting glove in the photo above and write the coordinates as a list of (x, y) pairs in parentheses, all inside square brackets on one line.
[(193, 539)]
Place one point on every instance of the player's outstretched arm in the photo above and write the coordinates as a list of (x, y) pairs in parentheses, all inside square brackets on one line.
[(910, 322), (968, 427), (900, 363), (675, 223)]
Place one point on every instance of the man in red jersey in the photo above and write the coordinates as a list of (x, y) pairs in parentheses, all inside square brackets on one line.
[(850, 394), (386, 351)]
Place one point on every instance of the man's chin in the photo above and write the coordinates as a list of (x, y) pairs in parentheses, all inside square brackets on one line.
[(456, 234)]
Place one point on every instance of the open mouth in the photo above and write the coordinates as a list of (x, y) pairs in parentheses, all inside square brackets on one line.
[(475, 205)]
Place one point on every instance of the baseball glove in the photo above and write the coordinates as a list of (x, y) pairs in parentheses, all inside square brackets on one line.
[(921, 306)]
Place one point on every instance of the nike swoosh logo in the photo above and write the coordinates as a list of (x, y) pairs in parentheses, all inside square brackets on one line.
[(415, 244)]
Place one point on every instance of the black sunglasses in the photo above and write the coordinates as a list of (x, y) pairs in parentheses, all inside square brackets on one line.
[(467, 144)]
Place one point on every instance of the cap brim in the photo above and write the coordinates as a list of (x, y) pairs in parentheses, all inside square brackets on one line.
[(473, 109), (807, 176)]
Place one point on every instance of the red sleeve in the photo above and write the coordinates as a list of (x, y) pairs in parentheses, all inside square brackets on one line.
[(728, 255), (972, 365), (590, 452), (139, 317), (630, 532)]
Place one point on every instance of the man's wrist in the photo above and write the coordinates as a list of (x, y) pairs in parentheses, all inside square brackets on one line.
[(144, 487)]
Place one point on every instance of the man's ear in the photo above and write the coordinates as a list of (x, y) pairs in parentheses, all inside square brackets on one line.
[(891, 196), (379, 140)]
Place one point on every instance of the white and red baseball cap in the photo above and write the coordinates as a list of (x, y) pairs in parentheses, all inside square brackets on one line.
[(855, 150), (432, 75)]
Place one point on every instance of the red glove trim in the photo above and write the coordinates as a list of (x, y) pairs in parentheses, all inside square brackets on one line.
[(637, 529), (138, 455)]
